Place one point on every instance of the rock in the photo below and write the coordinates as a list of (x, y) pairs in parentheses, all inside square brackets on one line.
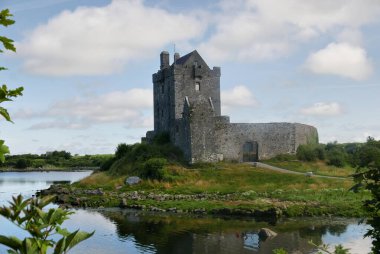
[(309, 174), (133, 180), (265, 233), (123, 203)]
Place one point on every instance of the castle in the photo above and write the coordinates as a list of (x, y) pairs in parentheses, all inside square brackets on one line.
[(187, 106)]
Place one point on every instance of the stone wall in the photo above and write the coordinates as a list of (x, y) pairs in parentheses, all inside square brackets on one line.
[(272, 138), (202, 134)]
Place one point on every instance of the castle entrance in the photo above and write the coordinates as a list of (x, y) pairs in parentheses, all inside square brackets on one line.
[(250, 151)]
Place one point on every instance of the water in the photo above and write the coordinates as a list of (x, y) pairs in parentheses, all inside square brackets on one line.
[(128, 231)]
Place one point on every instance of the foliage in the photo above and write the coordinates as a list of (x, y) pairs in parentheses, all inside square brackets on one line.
[(368, 177), (131, 159), (153, 169), (29, 215), (339, 155), (279, 251), (5, 93), (336, 157), (22, 163), (122, 150), (310, 152), (55, 159), (323, 249), (161, 138)]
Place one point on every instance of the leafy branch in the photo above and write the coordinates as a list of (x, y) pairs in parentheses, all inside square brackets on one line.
[(30, 215), (5, 94)]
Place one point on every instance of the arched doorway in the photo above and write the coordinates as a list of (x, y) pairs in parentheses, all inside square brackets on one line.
[(250, 151)]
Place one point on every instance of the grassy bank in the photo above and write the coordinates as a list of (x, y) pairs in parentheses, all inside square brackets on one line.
[(222, 188), (317, 167)]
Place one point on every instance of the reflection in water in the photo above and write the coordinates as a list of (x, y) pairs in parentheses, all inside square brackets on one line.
[(127, 231), (189, 234)]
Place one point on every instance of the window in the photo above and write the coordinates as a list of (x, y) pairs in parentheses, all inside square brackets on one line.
[(195, 63), (162, 89), (197, 86)]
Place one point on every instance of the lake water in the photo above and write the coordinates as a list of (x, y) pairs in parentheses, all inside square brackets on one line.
[(128, 231)]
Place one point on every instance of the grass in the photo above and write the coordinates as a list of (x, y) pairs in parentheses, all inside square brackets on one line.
[(250, 187), (317, 167)]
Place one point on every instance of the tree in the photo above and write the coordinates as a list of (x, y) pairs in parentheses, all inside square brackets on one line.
[(368, 177), (5, 93), (31, 216)]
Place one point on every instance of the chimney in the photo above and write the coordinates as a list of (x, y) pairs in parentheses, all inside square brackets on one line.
[(164, 60), (176, 57)]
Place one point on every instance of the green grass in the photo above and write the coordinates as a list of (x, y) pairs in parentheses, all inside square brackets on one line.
[(250, 187), (318, 167)]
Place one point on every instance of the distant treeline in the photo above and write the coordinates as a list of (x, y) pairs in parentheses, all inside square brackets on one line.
[(339, 155), (55, 159)]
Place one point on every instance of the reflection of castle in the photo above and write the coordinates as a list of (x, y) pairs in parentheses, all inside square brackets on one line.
[(187, 105), (183, 234)]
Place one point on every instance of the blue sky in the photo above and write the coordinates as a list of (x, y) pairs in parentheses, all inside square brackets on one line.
[(86, 66)]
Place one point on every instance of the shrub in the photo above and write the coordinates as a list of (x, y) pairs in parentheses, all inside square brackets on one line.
[(22, 163), (306, 153), (320, 152), (161, 138), (153, 169), (336, 158), (122, 150), (107, 164)]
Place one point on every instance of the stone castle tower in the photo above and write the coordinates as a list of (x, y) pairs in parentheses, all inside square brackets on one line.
[(187, 105)]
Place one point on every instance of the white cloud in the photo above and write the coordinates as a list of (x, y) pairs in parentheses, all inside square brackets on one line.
[(267, 29), (102, 40), (237, 97), (125, 107), (341, 59), (323, 109)]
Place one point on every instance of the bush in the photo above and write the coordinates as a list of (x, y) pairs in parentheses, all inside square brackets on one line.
[(336, 158), (107, 164), (311, 152), (22, 163), (320, 152), (306, 153), (153, 169), (161, 138), (122, 150)]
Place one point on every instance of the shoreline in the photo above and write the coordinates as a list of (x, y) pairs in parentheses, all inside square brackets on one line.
[(201, 204), (79, 169)]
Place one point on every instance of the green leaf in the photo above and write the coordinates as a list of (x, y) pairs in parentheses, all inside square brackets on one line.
[(76, 237), (5, 18), (60, 246), (3, 150), (11, 242), (5, 114), (7, 43), (62, 231)]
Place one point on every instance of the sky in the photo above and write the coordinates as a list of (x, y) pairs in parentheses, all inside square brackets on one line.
[(87, 65)]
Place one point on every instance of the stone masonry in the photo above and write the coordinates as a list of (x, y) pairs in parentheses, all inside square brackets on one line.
[(187, 106)]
